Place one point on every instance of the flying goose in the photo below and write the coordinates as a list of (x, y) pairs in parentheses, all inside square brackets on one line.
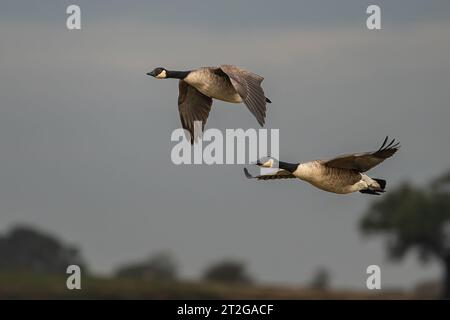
[(344, 174), (228, 83)]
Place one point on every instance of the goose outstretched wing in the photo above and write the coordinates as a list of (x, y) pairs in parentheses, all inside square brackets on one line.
[(363, 162), (248, 86), (280, 174), (193, 106)]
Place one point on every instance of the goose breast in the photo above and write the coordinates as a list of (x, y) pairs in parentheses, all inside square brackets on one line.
[(329, 179), (213, 84)]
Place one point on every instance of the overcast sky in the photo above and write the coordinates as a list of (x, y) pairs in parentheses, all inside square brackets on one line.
[(85, 134)]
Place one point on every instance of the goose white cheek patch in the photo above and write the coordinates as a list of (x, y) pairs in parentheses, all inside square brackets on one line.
[(161, 75)]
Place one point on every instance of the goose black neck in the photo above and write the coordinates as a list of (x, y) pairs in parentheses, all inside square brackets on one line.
[(291, 167), (177, 74)]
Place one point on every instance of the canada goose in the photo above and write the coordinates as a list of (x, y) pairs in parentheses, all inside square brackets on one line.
[(228, 83), (344, 174)]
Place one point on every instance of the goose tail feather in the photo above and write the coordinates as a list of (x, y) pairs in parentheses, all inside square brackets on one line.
[(376, 191)]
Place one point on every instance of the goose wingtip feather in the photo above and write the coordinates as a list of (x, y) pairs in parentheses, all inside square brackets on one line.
[(247, 174)]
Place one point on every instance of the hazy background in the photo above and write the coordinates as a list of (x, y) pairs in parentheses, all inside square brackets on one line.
[(85, 134)]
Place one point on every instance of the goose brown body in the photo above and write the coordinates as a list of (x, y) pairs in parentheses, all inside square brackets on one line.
[(214, 84), (330, 179), (342, 175), (197, 89)]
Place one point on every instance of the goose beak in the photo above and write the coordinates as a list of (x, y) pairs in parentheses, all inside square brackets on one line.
[(152, 73)]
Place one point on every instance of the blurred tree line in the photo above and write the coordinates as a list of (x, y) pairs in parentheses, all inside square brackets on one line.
[(162, 266), (25, 249), (414, 218), (321, 279)]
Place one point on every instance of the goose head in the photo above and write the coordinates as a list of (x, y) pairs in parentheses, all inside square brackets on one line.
[(158, 73)]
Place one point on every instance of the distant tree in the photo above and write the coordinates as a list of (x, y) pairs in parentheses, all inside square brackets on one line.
[(160, 266), (25, 249), (228, 271), (415, 218), (321, 279)]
